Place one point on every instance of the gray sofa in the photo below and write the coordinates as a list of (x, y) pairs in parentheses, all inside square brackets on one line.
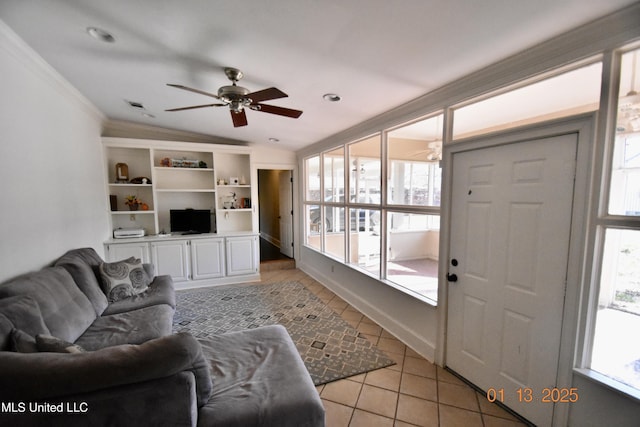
[(68, 356)]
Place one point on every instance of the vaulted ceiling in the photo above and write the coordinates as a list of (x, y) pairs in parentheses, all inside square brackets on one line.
[(375, 54)]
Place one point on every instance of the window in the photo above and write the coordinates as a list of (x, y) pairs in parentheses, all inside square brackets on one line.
[(312, 183), (365, 177), (615, 350), (402, 251), (413, 250), (564, 95), (414, 154), (334, 175)]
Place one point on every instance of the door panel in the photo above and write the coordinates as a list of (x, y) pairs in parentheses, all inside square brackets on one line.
[(286, 213), (511, 217)]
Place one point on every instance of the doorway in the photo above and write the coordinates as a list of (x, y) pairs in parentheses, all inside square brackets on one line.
[(512, 208), (275, 191)]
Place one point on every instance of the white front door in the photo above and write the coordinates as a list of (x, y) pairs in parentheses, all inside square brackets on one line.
[(510, 230), (286, 213)]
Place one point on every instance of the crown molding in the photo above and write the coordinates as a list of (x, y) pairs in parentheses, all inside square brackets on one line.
[(126, 129)]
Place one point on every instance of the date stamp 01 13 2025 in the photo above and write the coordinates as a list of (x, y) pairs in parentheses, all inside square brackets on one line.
[(528, 395)]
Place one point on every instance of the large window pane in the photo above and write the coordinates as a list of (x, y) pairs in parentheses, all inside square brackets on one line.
[(414, 171), (313, 226), (365, 239), (365, 171), (624, 195), (334, 236), (312, 184), (413, 243), (616, 349), (334, 176)]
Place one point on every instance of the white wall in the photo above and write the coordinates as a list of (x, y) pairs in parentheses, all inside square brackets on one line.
[(51, 179), (412, 321)]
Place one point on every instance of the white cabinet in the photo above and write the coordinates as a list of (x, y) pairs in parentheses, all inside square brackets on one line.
[(172, 258), (242, 255), (120, 251), (204, 260), (207, 258)]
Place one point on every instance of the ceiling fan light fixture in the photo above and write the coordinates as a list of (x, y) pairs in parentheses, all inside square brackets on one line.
[(100, 34), (331, 97)]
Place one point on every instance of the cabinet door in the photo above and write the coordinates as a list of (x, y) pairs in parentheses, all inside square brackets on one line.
[(172, 258), (120, 251), (207, 258), (242, 255)]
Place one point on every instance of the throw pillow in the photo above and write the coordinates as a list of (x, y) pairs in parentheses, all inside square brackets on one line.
[(22, 342), (123, 279), (47, 343)]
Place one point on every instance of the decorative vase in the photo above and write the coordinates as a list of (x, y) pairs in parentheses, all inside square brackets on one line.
[(133, 207)]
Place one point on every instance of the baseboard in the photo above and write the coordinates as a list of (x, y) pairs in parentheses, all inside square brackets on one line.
[(273, 240), (401, 331), (205, 283)]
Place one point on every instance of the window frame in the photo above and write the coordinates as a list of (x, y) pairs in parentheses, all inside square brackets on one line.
[(601, 221), (383, 206)]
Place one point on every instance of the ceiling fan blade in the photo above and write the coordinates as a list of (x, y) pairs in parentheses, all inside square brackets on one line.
[(193, 90), (266, 94), (239, 119), (281, 111), (197, 106)]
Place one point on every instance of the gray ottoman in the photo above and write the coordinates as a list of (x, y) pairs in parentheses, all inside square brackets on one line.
[(259, 379)]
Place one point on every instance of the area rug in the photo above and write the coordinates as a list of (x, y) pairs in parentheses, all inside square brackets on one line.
[(330, 348)]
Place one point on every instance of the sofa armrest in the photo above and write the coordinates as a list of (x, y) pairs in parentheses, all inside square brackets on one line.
[(38, 376), (169, 401)]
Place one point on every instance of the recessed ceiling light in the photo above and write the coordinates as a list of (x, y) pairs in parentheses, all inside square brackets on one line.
[(149, 116), (100, 34), (331, 97), (274, 140)]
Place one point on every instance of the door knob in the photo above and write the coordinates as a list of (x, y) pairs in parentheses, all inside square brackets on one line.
[(452, 277)]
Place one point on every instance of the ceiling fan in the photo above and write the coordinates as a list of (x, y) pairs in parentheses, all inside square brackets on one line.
[(239, 98)]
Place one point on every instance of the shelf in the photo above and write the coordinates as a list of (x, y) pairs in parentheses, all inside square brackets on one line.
[(167, 168), (131, 212), (129, 185), (235, 186), (237, 210), (185, 190)]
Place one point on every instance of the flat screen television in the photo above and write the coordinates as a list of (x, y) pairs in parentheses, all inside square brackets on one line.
[(190, 221)]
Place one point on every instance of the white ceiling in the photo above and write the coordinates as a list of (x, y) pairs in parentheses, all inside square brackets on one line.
[(376, 54)]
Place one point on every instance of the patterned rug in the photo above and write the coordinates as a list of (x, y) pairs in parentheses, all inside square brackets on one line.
[(330, 348)]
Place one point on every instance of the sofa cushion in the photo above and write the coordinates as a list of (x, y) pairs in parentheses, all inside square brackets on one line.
[(160, 291), (47, 343), (123, 279), (132, 327), (83, 264), (259, 379), (20, 312), (66, 311)]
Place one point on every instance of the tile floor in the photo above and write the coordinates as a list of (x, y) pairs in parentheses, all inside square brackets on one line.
[(414, 392)]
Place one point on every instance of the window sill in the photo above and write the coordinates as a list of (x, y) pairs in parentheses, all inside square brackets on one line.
[(616, 386)]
